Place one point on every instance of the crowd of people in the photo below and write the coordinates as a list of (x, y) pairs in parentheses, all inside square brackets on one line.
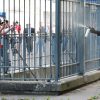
[(9, 33), (5, 38)]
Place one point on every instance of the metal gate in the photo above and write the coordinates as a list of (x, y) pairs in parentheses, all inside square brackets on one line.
[(44, 39)]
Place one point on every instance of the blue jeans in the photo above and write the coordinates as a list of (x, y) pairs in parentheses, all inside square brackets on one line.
[(29, 44), (6, 59), (40, 44)]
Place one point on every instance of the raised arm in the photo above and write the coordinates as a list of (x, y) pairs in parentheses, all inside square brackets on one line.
[(92, 30)]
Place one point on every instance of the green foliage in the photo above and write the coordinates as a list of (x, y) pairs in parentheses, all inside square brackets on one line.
[(48, 98), (26, 99), (33, 98), (93, 98), (68, 99), (3, 98)]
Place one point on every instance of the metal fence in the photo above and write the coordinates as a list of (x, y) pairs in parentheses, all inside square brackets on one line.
[(48, 40)]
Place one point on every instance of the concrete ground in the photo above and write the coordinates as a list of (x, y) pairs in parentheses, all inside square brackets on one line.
[(84, 93)]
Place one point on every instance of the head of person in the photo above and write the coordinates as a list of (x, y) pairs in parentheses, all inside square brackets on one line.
[(6, 22), (16, 22)]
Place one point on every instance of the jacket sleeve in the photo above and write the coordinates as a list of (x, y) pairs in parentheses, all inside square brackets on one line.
[(92, 30), (98, 33)]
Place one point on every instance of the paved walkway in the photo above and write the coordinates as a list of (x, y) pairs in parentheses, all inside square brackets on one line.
[(84, 93)]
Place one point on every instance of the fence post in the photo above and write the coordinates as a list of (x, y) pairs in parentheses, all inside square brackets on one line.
[(98, 37), (58, 47), (81, 53)]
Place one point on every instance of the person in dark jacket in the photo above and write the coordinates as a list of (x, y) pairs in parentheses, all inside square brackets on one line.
[(92, 30), (29, 33)]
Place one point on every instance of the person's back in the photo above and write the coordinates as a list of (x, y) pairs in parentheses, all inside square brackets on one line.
[(29, 33)]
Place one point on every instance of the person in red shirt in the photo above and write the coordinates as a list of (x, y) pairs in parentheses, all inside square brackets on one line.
[(17, 27), (16, 37), (18, 31), (2, 26)]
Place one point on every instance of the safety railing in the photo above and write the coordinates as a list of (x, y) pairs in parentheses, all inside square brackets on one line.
[(45, 39)]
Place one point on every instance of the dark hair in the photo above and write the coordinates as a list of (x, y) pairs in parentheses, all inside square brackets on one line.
[(32, 30), (6, 21), (16, 22)]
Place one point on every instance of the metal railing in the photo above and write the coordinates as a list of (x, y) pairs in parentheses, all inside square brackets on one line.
[(50, 44)]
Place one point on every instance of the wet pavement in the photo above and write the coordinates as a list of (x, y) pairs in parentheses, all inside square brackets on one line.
[(84, 93)]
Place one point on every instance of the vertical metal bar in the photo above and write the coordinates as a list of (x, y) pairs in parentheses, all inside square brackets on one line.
[(81, 39), (4, 48), (45, 39), (96, 47), (40, 37), (67, 35), (10, 38), (68, 52), (63, 36), (98, 38), (91, 36), (62, 47), (58, 47), (14, 34), (73, 39), (75, 30), (73, 49), (19, 37), (24, 42), (29, 29), (76, 35), (3, 38), (35, 37), (71, 32), (67, 38), (50, 36), (95, 38)]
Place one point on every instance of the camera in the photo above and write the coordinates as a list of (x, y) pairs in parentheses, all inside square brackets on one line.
[(4, 21)]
